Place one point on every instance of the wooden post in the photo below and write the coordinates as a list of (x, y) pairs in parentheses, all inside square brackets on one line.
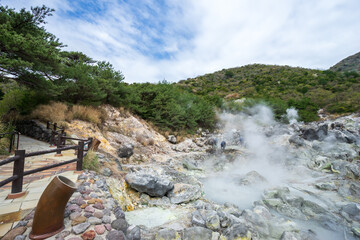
[(52, 138), (55, 125), (64, 139), (11, 141), (19, 171), (80, 156), (58, 145), (47, 125), (90, 143), (18, 140)]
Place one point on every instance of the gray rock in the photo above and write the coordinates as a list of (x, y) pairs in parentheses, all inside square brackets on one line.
[(329, 186), (310, 134), (107, 172), (120, 225), (197, 219), (164, 201), (21, 224), (106, 219), (119, 213), (183, 192), (225, 219), (197, 233), (294, 201), (100, 183), (125, 151), (172, 139), (80, 228), (107, 212), (94, 220), (20, 237), (167, 234), (252, 177), (237, 231), (296, 140), (98, 238), (353, 210), (312, 209), (319, 134), (290, 236), (290, 211), (153, 186), (115, 235), (212, 220), (133, 233), (63, 234)]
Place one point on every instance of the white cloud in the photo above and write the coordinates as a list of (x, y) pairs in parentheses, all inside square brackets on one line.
[(202, 36)]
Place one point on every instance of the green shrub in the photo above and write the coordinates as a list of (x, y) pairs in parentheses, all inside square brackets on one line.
[(91, 161), (5, 141)]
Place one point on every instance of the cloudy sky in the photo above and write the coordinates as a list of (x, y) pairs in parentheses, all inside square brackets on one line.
[(153, 40)]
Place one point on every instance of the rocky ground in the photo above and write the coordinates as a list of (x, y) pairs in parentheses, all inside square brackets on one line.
[(273, 181)]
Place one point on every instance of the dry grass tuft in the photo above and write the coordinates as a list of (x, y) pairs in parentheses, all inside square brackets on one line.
[(54, 112), (144, 140), (86, 113), (60, 112)]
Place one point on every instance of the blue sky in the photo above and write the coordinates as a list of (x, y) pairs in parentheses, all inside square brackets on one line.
[(150, 40)]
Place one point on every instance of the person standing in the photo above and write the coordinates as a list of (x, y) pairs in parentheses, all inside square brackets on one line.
[(223, 145)]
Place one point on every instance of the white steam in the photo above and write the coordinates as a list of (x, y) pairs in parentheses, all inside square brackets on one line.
[(292, 115), (259, 152)]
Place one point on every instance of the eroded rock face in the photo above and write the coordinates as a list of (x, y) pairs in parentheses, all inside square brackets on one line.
[(151, 185)]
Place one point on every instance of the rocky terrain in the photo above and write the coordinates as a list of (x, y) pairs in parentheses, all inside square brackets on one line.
[(273, 181)]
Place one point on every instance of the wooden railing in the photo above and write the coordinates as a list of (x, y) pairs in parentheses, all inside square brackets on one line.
[(12, 139), (20, 156)]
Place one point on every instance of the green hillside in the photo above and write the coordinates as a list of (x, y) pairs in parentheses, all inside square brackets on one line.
[(351, 63), (282, 86)]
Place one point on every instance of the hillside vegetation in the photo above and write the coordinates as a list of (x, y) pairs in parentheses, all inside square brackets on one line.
[(349, 64), (281, 87), (34, 70)]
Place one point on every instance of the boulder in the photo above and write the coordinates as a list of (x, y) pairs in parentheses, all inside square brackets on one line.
[(296, 140), (312, 134), (120, 224), (115, 235), (172, 139), (197, 233), (183, 192), (197, 219), (133, 233), (125, 150), (107, 172), (237, 231), (353, 210), (167, 234), (252, 177), (151, 185)]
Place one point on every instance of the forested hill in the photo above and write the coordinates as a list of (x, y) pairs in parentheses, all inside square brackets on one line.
[(306, 89), (351, 63)]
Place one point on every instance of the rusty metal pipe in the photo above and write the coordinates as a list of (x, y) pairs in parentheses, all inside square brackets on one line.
[(49, 214)]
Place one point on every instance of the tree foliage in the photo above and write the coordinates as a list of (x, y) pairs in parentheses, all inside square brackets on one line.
[(34, 59)]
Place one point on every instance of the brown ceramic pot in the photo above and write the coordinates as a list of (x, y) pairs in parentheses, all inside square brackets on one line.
[(49, 214)]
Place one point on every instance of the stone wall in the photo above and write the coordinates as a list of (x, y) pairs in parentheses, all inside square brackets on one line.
[(34, 129)]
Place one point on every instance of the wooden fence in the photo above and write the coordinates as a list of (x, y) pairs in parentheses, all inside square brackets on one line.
[(60, 140), (13, 137)]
